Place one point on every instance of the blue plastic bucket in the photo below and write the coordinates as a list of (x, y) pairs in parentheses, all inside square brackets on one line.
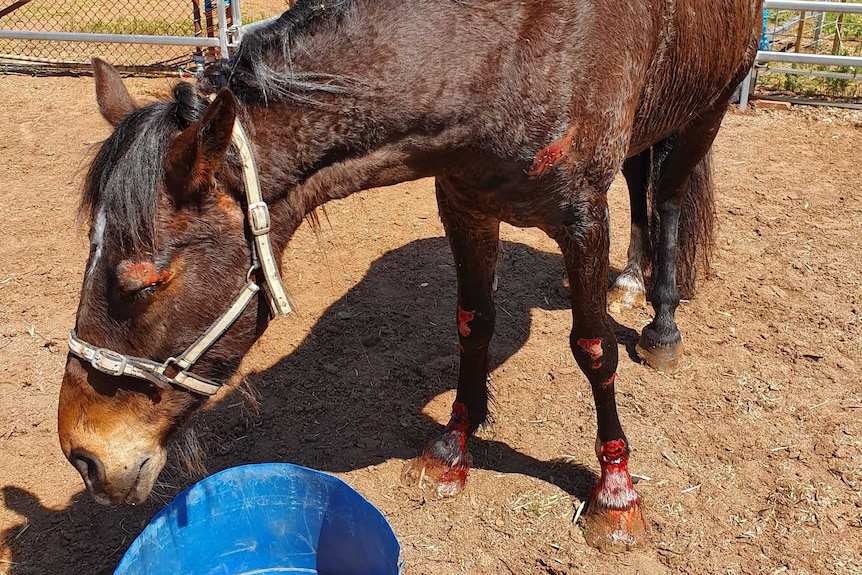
[(262, 519)]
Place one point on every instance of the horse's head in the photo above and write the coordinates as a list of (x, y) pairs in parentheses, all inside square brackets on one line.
[(169, 253)]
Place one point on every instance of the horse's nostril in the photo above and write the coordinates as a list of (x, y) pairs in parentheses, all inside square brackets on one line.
[(90, 467)]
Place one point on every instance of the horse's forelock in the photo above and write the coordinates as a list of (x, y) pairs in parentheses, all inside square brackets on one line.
[(123, 181), (189, 105)]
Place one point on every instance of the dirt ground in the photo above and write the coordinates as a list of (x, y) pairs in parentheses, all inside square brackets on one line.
[(753, 452)]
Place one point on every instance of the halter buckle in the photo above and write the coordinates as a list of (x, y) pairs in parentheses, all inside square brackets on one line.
[(258, 218), (109, 361), (174, 364)]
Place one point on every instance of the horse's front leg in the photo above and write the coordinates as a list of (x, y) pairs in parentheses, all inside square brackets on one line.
[(614, 517), (474, 240)]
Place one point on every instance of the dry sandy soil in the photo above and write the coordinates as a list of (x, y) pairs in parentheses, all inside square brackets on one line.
[(753, 451)]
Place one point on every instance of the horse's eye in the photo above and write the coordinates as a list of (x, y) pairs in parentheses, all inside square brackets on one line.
[(145, 292)]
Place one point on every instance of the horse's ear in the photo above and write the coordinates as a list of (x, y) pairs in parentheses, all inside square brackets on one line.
[(115, 102), (199, 151)]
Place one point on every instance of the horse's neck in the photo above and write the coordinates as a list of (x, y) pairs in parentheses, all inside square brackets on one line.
[(371, 132), (308, 156)]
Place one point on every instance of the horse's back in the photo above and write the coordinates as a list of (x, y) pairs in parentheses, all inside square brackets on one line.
[(637, 66), (669, 60)]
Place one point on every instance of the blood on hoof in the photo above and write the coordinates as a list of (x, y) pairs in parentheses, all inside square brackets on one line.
[(627, 292), (661, 357), (445, 461), (614, 520)]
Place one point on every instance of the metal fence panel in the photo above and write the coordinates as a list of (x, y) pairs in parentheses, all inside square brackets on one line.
[(811, 49), (174, 20)]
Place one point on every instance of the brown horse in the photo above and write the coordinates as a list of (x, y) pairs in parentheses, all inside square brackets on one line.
[(523, 110)]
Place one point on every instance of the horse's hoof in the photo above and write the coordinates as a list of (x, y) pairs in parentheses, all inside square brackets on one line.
[(663, 358), (611, 530), (442, 467), (627, 292)]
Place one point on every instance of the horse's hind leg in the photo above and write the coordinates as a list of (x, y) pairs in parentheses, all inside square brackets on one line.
[(683, 171), (614, 517), (474, 241), (628, 290)]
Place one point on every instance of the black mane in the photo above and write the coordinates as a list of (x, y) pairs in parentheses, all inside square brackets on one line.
[(124, 179), (255, 72)]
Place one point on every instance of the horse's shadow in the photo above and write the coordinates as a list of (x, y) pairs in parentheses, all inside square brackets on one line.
[(351, 395), (85, 538)]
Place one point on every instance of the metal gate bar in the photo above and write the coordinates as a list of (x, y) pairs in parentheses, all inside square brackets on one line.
[(797, 58)]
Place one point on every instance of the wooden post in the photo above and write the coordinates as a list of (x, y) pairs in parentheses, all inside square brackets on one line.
[(208, 14), (800, 31), (196, 20), (839, 29)]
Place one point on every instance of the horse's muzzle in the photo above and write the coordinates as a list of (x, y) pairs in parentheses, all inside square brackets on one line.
[(130, 485)]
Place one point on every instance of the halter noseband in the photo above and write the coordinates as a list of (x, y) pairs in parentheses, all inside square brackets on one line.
[(263, 258)]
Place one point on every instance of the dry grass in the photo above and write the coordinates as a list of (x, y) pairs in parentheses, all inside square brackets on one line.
[(539, 505)]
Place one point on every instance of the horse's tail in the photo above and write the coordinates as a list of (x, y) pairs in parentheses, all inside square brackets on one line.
[(696, 235)]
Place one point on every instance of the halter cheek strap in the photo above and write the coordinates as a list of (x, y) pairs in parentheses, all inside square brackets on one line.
[(259, 224), (263, 258)]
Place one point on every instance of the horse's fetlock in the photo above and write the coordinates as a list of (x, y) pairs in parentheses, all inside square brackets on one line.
[(459, 420)]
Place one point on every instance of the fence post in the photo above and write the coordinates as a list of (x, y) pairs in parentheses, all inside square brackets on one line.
[(818, 28), (839, 30), (222, 29), (745, 90), (236, 27), (800, 31)]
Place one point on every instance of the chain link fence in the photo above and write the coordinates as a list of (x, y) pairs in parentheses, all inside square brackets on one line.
[(167, 18)]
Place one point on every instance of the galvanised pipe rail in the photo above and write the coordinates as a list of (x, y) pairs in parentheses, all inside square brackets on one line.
[(797, 58), (811, 59), (817, 73), (110, 38), (255, 25), (808, 6), (223, 42)]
